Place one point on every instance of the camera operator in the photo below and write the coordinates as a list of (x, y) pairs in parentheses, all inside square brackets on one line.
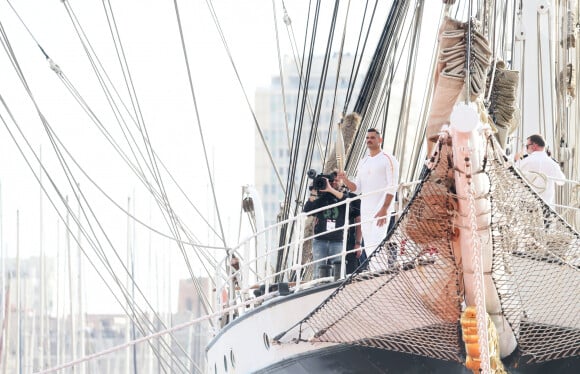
[(329, 223)]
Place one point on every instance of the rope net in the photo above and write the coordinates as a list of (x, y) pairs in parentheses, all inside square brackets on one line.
[(410, 297), (536, 262)]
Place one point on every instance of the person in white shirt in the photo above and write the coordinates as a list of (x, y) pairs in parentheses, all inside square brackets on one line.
[(377, 171), (539, 168)]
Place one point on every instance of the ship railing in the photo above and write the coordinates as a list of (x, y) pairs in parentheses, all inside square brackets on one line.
[(569, 206), (257, 255), (569, 197), (254, 276)]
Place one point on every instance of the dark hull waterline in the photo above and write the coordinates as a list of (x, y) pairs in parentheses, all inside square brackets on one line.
[(346, 359)]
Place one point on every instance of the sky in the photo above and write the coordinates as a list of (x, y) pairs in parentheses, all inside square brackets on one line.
[(151, 42), (174, 119)]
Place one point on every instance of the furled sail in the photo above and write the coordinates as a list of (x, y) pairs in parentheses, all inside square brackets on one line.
[(345, 134), (502, 86)]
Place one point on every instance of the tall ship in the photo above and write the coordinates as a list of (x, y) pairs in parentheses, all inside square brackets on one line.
[(476, 273)]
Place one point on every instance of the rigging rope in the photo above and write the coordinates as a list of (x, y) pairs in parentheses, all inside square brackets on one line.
[(164, 204), (226, 47), (198, 119), (69, 175), (322, 84), (297, 140), (358, 55), (281, 70), (96, 62), (376, 89), (93, 241), (402, 131), (158, 334)]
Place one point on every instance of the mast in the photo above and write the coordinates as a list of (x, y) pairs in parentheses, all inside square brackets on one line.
[(129, 324), (59, 350), (81, 315), (131, 259), (43, 312), (73, 340), (31, 329), (4, 289), (5, 342), (153, 269), (5, 330), (18, 299)]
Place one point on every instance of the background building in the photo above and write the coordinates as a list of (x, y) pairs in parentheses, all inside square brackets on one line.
[(190, 307), (37, 334), (278, 127)]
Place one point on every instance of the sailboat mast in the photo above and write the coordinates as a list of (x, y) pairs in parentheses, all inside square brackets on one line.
[(81, 315), (131, 259), (4, 287), (130, 320), (18, 299), (70, 293), (5, 328), (59, 334), (5, 342), (43, 312)]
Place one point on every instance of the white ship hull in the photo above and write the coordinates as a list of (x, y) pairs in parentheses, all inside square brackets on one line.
[(246, 345)]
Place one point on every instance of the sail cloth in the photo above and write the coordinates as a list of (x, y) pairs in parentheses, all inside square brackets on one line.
[(449, 76), (503, 84), (414, 306), (348, 128)]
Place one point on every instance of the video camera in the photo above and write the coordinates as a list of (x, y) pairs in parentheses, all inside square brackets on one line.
[(319, 180)]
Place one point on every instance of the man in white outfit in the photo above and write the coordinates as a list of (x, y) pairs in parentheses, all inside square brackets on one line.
[(377, 179), (539, 169)]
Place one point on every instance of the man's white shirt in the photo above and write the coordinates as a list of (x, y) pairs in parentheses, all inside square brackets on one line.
[(537, 165), (376, 173)]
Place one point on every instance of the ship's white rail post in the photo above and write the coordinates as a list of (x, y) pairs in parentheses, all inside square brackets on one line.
[(301, 223), (245, 269)]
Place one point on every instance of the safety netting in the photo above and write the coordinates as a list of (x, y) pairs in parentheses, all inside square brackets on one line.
[(410, 295), (536, 259)]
